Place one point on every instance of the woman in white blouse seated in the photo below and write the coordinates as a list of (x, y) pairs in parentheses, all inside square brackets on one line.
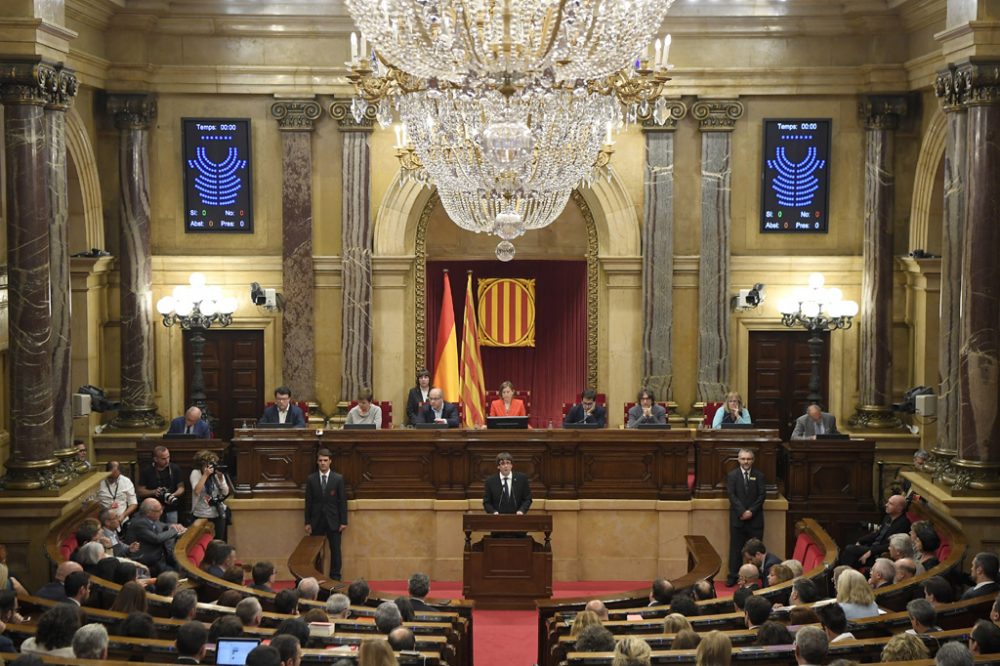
[(365, 411), (731, 411)]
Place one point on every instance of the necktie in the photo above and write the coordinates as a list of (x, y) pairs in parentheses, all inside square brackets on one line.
[(187, 431), (324, 482), (819, 428), (505, 495), (746, 479)]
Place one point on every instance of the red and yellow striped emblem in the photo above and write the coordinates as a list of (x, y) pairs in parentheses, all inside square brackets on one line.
[(507, 312)]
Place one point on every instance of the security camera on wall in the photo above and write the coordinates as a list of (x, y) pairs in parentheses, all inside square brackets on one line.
[(269, 299), (748, 299)]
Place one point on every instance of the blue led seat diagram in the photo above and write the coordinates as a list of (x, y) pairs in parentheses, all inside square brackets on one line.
[(217, 183), (795, 184)]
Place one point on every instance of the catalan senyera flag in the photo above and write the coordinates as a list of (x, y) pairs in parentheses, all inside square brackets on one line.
[(446, 349), (473, 382), (507, 312)]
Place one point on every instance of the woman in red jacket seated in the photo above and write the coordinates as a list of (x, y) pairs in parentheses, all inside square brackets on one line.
[(507, 404)]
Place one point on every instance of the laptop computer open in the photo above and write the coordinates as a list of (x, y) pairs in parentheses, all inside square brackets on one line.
[(234, 651), (507, 422)]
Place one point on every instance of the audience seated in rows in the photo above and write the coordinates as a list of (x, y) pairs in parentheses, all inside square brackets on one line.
[(308, 588), (923, 616), (715, 649), (632, 651), (795, 566), (225, 626), (338, 606), (184, 605), (90, 642), (749, 576), (984, 572), (137, 625), (756, 611), (358, 592), (54, 632), (132, 597), (925, 543), (872, 545), (594, 638), (250, 612), (881, 573), (405, 607), (938, 591), (599, 608), (755, 552), (582, 620), (811, 646), (387, 617), (263, 576), (289, 649), (855, 596), (834, 623), (402, 638), (376, 652), (906, 568), (904, 647), (286, 602), (773, 633), (953, 654), (661, 592), (686, 639), (192, 639), (675, 623), (985, 638)]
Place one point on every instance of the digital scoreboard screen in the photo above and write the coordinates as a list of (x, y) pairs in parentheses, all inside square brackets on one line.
[(795, 176), (217, 175)]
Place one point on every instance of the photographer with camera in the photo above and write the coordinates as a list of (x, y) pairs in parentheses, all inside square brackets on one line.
[(210, 489), (163, 482)]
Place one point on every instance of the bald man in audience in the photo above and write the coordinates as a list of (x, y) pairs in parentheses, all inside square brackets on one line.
[(402, 638), (872, 545), (599, 608), (661, 592), (749, 576), (56, 590), (905, 569), (309, 589)]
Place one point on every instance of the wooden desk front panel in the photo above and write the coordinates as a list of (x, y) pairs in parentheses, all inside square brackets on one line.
[(716, 453)]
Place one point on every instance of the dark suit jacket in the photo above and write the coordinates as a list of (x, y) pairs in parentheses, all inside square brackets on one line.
[(576, 415), (449, 412), (201, 428), (520, 494), (989, 589), (878, 541), (414, 401), (325, 511), (6, 645), (635, 417), (153, 537), (743, 498), (805, 427), (295, 416), (422, 606), (770, 559), (53, 591)]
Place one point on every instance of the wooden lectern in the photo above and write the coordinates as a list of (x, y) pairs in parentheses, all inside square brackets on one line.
[(507, 569)]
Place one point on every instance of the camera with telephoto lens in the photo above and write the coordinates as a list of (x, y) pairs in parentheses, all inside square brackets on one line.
[(169, 499), (215, 500)]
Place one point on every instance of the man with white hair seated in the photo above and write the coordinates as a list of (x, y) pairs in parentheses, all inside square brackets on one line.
[(96, 561), (882, 573), (309, 588), (338, 606), (250, 612), (90, 642)]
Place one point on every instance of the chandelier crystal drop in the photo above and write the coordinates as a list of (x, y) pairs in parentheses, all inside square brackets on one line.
[(508, 40)]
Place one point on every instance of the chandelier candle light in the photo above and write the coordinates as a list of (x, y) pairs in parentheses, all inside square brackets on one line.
[(195, 307), (817, 310), (507, 105)]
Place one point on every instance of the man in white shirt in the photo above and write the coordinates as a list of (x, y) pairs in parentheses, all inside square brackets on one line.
[(117, 493), (508, 491)]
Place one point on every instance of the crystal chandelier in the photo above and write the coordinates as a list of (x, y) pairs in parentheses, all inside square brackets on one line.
[(507, 105)]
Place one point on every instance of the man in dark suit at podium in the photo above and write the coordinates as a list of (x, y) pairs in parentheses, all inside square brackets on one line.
[(508, 491), (745, 486), (326, 507)]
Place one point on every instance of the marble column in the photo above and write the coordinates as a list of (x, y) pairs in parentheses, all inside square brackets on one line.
[(25, 89), (881, 115), (133, 115), (60, 99), (296, 120), (716, 120), (357, 230), (950, 90), (978, 461), (658, 252)]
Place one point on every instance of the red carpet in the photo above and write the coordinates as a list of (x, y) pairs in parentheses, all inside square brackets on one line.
[(505, 638)]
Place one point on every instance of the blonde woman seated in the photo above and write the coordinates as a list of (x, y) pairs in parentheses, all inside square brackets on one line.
[(376, 652), (675, 623), (365, 411), (582, 620), (507, 404), (715, 649), (855, 596), (646, 410), (905, 647), (632, 651), (731, 411)]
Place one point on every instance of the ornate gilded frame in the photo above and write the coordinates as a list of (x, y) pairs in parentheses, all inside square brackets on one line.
[(420, 285)]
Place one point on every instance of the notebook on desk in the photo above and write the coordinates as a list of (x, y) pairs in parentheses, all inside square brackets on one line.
[(507, 422)]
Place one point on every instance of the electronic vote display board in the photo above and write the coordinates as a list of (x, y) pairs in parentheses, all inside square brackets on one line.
[(217, 175), (795, 176)]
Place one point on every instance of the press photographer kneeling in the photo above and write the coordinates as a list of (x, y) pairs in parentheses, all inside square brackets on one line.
[(211, 488)]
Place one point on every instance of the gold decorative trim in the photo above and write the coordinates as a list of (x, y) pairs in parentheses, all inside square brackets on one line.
[(676, 111), (420, 285), (340, 110), (296, 115), (883, 112), (132, 110), (718, 115), (593, 297)]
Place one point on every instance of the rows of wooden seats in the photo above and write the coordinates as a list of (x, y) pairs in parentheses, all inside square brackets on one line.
[(863, 650), (704, 563)]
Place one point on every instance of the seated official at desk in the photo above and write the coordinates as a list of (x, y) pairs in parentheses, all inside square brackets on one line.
[(731, 411), (437, 410), (645, 410), (814, 422), (283, 410), (365, 412), (587, 410), (507, 404), (418, 395), (190, 424)]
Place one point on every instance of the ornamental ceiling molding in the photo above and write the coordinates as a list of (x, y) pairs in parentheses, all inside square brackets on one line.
[(296, 115)]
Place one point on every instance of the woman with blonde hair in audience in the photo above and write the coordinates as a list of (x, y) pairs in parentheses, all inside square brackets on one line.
[(795, 566), (779, 574), (675, 622), (583, 619), (632, 651), (855, 596), (686, 639), (376, 652), (131, 598), (715, 649), (904, 647)]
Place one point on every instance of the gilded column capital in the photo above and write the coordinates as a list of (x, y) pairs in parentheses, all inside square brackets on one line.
[(132, 110), (717, 115), (949, 86), (349, 119), (63, 89), (675, 111), (980, 81), (883, 112), (296, 115), (29, 81)]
